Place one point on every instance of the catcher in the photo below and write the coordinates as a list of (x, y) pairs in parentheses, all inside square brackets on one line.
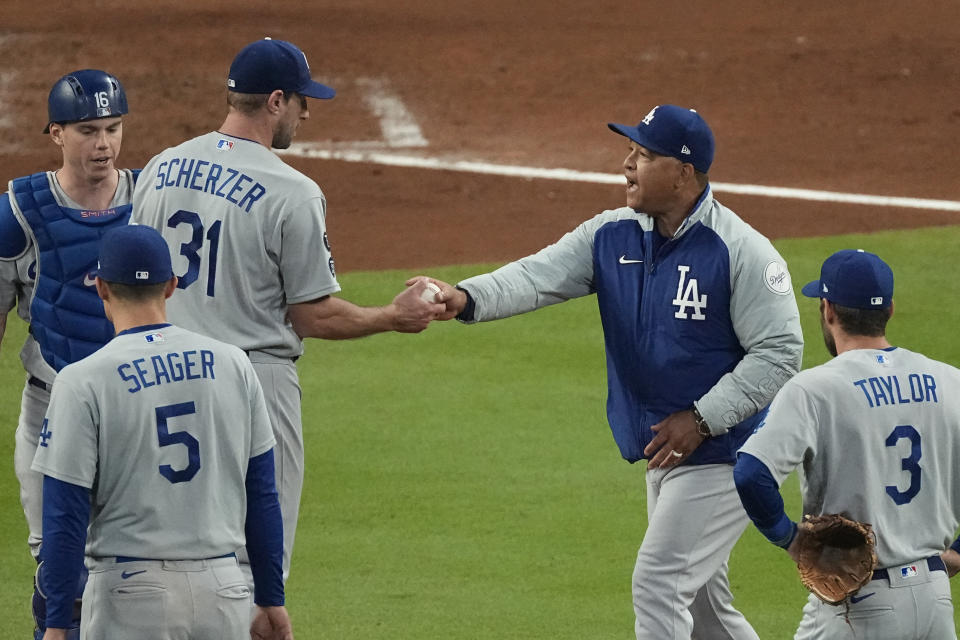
[(876, 433)]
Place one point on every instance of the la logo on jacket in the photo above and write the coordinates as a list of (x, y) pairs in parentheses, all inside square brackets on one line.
[(688, 295)]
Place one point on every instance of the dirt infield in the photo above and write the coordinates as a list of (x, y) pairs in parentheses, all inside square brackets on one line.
[(853, 97)]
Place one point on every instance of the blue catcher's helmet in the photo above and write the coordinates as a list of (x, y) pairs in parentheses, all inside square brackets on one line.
[(87, 94)]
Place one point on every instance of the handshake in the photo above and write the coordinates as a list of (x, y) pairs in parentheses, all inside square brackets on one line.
[(424, 300)]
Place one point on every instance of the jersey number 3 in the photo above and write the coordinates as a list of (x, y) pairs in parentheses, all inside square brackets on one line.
[(191, 250), (909, 464), (166, 438)]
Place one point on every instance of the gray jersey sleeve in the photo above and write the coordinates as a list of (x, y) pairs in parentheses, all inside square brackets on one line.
[(306, 263), (561, 271), (788, 436), (8, 286), (764, 314), (68, 449)]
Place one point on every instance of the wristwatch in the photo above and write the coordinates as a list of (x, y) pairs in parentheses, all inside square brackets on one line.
[(702, 427)]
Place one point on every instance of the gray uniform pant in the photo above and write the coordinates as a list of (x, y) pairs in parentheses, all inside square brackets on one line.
[(281, 391), (913, 603), (33, 408), (680, 586), (165, 600)]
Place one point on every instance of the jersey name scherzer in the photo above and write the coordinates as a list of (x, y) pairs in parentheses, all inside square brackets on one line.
[(247, 236), (876, 434), (160, 424)]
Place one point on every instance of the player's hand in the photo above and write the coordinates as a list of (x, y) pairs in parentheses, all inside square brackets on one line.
[(55, 634), (411, 313), (453, 299), (952, 561), (271, 623), (675, 434)]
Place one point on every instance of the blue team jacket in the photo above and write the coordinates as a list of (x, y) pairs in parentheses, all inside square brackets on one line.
[(705, 317)]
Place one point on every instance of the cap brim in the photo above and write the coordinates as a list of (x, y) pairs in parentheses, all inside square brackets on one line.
[(624, 130), (635, 134), (318, 91), (811, 289)]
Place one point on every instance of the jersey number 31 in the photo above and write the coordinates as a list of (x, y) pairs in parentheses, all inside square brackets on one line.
[(191, 250)]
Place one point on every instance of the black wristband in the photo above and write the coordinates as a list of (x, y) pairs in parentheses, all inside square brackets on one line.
[(467, 314)]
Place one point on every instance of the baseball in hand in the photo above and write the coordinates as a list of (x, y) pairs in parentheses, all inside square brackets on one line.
[(430, 293)]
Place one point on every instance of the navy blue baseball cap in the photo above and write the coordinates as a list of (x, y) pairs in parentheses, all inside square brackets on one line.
[(673, 131), (134, 254), (267, 65), (87, 94), (853, 278)]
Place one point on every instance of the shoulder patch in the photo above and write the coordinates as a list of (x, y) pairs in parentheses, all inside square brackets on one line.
[(777, 278)]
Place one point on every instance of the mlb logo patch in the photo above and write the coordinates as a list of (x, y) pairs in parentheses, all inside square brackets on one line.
[(882, 359), (876, 301), (909, 571), (224, 145), (143, 275), (154, 337)]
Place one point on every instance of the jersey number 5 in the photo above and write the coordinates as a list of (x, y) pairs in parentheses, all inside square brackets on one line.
[(191, 250), (909, 464), (167, 438)]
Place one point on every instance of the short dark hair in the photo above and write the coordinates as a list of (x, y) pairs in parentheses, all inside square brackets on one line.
[(702, 179), (246, 103), (863, 322), (137, 292)]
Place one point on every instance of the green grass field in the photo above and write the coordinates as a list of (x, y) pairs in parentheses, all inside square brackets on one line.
[(463, 483)]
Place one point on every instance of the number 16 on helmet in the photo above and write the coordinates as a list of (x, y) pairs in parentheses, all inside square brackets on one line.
[(87, 94)]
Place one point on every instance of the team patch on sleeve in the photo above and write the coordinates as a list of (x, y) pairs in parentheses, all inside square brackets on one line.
[(777, 278)]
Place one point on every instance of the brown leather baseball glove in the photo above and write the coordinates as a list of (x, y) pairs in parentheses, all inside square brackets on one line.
[(835, 555)]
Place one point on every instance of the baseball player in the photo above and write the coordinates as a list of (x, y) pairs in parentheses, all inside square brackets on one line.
[(876, 433), (50, 225), (701, 329), (249, 244), (161, 442)]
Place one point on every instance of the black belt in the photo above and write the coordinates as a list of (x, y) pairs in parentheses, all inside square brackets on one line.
[(249, 351), (132, 559), (934, 563), (37, 382)]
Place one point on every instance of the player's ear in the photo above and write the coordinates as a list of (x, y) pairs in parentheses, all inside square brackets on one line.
[(170, 288), (687, 174), (829, 313), (56, 133), (274, 101), (103, 290)]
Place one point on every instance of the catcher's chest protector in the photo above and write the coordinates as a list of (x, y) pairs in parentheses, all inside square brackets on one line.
[(66, 314)]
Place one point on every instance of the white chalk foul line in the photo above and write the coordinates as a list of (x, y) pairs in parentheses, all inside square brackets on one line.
[(399, 127), (323, 152), (6, 82)]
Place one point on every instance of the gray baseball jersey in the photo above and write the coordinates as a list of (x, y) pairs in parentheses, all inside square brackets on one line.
[(160, 424), (877, 433), (247, 236)]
